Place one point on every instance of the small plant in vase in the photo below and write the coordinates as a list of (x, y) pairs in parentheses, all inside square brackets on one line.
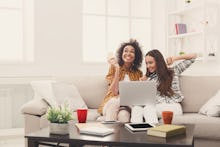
[(59, 117)]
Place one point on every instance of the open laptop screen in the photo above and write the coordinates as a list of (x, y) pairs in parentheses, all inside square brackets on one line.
[(137, 93)]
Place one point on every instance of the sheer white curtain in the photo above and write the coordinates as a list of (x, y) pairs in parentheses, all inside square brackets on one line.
[(107, 23), (16, 27)]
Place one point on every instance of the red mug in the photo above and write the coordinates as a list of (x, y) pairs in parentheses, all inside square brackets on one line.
[(82, 115), (167, 117)]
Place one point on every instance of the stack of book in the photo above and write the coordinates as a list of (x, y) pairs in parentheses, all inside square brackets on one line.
[(180, 28), (167, 130)]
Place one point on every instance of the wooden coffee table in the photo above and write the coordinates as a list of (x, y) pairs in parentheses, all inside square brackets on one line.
[(121, 137)]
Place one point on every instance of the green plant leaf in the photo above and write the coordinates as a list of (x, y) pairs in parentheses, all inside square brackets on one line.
[(59, 115)]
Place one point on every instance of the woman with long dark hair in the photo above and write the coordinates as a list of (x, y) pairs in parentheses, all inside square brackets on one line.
[(168, 95)]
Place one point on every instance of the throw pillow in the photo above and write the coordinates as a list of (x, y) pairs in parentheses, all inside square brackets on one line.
[(214, 111), (212, 106), (175, 107), (43, 90), (68, 93)]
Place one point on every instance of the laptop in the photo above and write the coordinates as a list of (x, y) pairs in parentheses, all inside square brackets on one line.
[(137, 93)]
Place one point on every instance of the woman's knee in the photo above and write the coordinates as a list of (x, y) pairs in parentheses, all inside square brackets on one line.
[(113, 103), (111, 109), (111, 113), (138, 109), (124, 116), (137, 114)]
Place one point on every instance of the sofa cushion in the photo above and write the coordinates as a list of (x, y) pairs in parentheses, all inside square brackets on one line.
[(205, 127), (212, 106), (214, 111), (197, 90), (43, 90), (66, 93), (92, 88)]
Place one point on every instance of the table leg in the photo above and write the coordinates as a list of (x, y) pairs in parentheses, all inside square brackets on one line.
[(76, 145), (193, 143), (32, 143)]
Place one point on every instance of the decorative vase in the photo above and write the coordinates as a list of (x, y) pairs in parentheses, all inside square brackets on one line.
[(57, 128)]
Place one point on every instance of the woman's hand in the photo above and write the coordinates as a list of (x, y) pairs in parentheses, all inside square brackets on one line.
[(113, 61), (169, 60), (115, 82), (144, 78)]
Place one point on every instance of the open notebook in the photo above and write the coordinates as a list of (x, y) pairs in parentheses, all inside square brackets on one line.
[(96, 129)]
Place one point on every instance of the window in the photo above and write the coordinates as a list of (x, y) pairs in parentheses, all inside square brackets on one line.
[(16, 27), (108, 23)]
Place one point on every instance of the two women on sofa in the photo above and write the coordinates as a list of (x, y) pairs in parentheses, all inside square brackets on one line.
[(126, 67)]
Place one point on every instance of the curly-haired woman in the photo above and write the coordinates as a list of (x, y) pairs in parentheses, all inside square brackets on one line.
[(126, 67)]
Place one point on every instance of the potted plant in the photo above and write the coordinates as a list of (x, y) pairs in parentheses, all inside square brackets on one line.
[(187, 1), (181, 53), (59, 117)]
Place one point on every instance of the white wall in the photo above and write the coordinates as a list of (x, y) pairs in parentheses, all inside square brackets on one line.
[(58, 40), (58, 37), (159, 25)]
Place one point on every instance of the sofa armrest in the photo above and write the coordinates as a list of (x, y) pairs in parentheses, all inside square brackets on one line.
[(35, 107)]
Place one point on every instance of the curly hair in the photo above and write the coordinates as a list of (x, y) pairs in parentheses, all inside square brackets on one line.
[(138, 54)]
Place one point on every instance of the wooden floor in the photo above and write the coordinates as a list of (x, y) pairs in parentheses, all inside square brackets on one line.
[(12, 137)]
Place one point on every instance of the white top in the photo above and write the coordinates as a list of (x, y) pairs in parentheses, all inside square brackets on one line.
[(126, 78)]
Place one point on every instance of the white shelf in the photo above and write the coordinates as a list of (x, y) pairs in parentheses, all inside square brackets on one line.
[(199, 58), (186, 35), (194, 7), (194, 15), (185, 10)]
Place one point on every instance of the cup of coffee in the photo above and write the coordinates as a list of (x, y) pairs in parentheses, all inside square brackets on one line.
[(82, 115), (167, 117)]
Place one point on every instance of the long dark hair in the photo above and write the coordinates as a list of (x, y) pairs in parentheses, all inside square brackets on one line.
[(138, 54), (165, 75)]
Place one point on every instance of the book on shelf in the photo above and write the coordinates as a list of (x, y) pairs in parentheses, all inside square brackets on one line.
[(96, 129), (180, 28), (167, 130)]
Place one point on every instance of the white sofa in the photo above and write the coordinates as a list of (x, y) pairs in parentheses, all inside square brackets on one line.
[(196, 89)]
